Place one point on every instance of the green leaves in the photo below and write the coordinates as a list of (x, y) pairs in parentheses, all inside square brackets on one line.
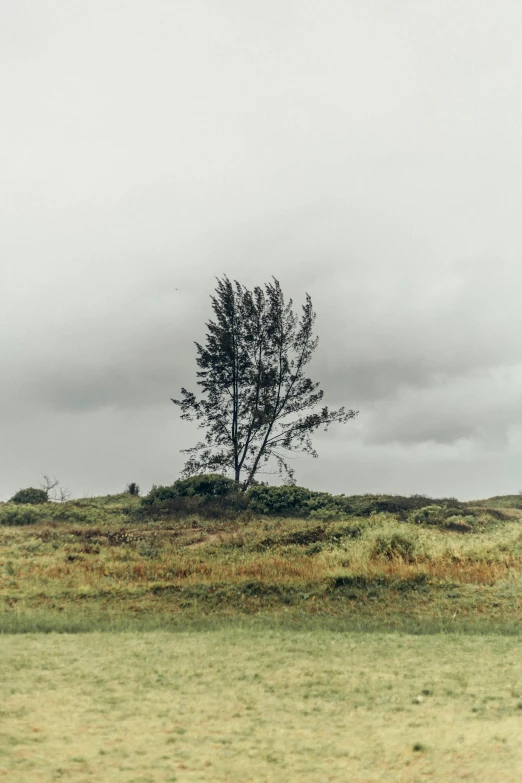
[(257, 404), (30, 495)]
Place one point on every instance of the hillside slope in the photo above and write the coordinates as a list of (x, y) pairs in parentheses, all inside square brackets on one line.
[(98, 561)]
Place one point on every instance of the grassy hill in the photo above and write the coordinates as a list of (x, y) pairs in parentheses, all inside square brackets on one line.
[(104, 562), (261, 685)]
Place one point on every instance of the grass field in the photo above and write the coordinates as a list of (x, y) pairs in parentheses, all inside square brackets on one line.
[(265, 705), (259, 649)]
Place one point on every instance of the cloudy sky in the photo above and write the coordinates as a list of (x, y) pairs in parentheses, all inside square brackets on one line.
[(366, 152)]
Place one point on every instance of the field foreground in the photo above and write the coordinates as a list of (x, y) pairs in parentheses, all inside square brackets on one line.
[(260, 705)]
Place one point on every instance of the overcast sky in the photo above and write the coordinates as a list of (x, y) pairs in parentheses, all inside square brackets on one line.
[(368, 153)]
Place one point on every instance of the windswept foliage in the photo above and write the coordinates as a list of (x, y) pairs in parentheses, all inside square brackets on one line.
[(257, 405)]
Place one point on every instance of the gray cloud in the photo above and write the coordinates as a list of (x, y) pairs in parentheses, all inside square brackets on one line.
[(369, 157), (484, 407)]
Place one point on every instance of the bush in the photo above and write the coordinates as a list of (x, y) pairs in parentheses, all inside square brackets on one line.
[(132, 489), (19, 515), (437, 514), (365, 505), (210, 485), (282, 501), (328, 513), (228, 507), (322, 505), (459, 522), (429, 515), (299, 501), (89, 511), (279, 501), (30, 495), (158, 494), (207, 485), (394, 545), (211, 495)]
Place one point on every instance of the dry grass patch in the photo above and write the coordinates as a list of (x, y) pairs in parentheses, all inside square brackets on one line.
[(196, 565)]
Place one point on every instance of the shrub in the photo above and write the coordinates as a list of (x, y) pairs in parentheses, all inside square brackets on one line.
[(365, 505), (283, 501), (211, 495), (89, 511), (210, 485), (322, 505), (206, 485), (30, 495), (394, 545), (228, 507), (459, 522), (444, 516), (279, 501), (132, 489), (299, 501), (19, 515), (429, 515), (159, 494), (328, 513)]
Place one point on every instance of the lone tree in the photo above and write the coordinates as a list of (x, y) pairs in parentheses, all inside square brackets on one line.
[(257, 403)]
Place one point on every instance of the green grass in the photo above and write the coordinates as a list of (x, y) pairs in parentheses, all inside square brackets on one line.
[(501, 501), (260, 705), (96, 563), (252, 648)]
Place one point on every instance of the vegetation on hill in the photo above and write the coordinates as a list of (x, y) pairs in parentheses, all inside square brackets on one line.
[(286, 552)]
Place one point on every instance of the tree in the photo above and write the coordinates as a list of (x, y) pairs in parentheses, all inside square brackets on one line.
[(43, 495), (61, 494), (257, 403)]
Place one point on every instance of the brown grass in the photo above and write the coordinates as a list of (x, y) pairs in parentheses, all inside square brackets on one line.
[(178, 568), (45, 564), (464, 570)]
